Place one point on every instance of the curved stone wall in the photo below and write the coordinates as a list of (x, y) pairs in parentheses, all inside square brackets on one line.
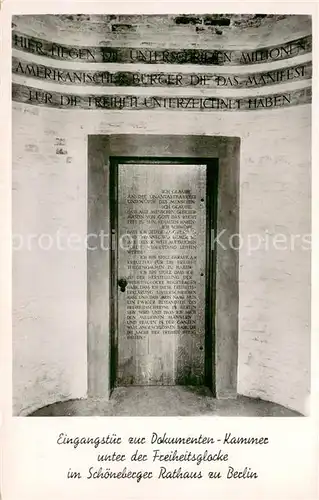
[(232, 31), (80, 75), (70, 75)]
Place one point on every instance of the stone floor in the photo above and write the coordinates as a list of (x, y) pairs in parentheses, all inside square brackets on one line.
[(165, 401)]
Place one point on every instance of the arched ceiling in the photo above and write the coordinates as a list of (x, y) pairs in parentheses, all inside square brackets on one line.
[(183, 30)]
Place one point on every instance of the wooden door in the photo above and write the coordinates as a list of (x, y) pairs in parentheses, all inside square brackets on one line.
[(161, 273)]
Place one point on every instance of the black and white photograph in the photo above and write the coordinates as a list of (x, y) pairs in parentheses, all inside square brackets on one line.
[(161, 214)]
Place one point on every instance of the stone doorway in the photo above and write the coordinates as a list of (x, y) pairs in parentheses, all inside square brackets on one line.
[(217, 361)]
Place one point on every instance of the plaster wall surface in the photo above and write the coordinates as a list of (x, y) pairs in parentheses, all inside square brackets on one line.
[(49, 286)]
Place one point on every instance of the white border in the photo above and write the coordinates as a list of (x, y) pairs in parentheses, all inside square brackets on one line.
[(293, 438)]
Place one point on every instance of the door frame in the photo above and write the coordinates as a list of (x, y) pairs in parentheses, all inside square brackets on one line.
[(100, 148), (210, 253)]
